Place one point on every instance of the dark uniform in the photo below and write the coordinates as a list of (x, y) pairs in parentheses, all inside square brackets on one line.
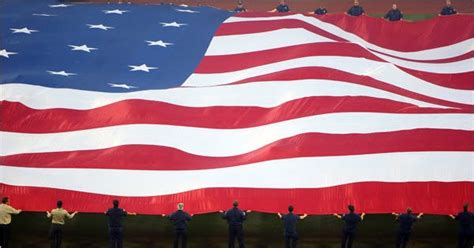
[(448, 10), (180, 219), (283, 8), (356, 11), (240, 9), (348, 232), (394, 15), (406, 222), (320, 11), (466, 231), (235, 217), (115, 226), (289, 222)]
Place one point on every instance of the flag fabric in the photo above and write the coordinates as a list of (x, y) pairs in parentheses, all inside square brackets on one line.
[(159, 104)]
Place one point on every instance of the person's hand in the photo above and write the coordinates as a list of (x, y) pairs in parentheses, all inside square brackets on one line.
[(221, 211), (393, 213), (335, 214), (248, 211), (163, 215), (75, 213), (192, 215)]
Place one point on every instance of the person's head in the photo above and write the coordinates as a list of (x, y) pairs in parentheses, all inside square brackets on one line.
[(409, 210), (282, 2), (290, 209), (235, 203), (59, 204), (351, 208), (465, 207), (240, 3), (394, 6), (356, 3), (5, 200), (115, 203), (180, 206), (448, 2)]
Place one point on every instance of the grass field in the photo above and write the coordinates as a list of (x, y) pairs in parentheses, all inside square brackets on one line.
[(209, 230)]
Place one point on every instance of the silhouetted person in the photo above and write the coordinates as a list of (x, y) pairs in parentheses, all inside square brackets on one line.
[(356, 9), (351, 220), (240, 7), (235, 218), (180, 220), (289, 222), (5, 219), (115, 222), (282, 7), (406, 221), (394, 14), (57, 216), (448, 9), (466, 231)]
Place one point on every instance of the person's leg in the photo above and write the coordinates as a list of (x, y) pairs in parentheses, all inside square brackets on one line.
[(350, 240), (231, 237), (52, 236), (406, 238), (4, 235), (295, 241), (177, 235), (59, 236), (120, 238), (240, 237), (184, 239), (287, 241), (398, 243), (344, 239)]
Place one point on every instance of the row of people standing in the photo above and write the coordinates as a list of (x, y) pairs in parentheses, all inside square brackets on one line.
[(394, 14), (235, 218)]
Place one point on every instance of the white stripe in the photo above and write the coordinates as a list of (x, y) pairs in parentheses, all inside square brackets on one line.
[(244, 95), (244, 43), (313, 172), (429, 54), (381, 71), (226, 142)]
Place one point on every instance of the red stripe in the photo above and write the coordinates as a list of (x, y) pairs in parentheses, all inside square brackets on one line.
[(332, 74), (145, 157), (429, 34), (369, 197), (235, 62), (18, 118), (250, 27)]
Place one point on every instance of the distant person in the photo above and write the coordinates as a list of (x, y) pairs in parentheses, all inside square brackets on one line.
[(235, 218), (115, 221), (356, 9), (319, 11), (448, 9), (57, 215), (289, 222), (351, 220), (282, 7), (240, 7), (5, 219), (406, 221), (394, 14), (180, 220), (466, 231)]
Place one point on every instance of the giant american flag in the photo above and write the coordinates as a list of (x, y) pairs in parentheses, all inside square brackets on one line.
[(159, 104)]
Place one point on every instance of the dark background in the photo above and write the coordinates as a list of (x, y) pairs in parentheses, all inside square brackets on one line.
[(209, 230)]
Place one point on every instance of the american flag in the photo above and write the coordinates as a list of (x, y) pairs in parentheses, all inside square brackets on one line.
[(159, 104)]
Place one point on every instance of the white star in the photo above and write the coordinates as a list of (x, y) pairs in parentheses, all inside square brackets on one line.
[(60, 5), (187, 11), (125, 86), (158, 43), (5, 53), (84, 48), (99, 26), (172, 24), (35, 14), (143, 67), (61, 73), (183, 5), (23, 30), (115, 11)]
